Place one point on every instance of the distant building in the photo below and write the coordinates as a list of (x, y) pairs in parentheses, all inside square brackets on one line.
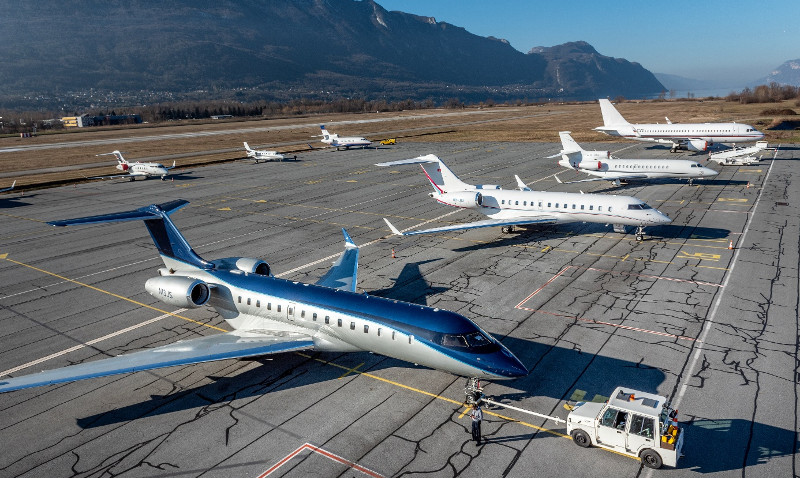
[(221, 116), (83, 121)]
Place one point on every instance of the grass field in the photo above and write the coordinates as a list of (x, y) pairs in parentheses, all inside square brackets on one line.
[(499, 123)]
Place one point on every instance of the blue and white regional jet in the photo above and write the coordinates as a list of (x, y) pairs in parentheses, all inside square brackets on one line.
[(271, 315), (345, 142)]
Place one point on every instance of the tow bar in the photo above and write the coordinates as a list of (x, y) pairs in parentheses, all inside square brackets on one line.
[(540, 415)]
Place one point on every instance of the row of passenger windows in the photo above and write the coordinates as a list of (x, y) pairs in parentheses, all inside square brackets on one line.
[(550, 205), (315, 316)]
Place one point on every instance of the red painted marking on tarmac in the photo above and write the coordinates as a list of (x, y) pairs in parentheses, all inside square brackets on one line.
[(323, 452), (620, 326)]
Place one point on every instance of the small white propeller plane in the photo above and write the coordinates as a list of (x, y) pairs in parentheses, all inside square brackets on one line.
[(271, 315), (609, 168), (508, 208), (262, 155), (345, 142), (9, 188), (137, 169), (688, 136)]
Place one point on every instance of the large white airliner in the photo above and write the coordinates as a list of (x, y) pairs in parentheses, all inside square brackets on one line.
[(271, 315), (508, 208), (262, 155), (345, 142), (137, 169), (9, 188), (609, 168), (688, 136)]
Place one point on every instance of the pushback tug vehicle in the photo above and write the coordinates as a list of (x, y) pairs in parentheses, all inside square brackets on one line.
[(631, 422)]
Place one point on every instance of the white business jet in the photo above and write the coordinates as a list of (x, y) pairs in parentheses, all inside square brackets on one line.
[(688, 136), (609, 168), (137, 169), (508, 208), (261, 155), (9, 188), (345, 142), (271, 315)]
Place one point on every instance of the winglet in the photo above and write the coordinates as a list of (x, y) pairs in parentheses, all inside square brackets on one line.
[(348, 241), (557, 179), (393, 229), (522, 186)]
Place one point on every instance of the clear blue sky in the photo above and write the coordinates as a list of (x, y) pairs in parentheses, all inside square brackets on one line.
[(733, 40)]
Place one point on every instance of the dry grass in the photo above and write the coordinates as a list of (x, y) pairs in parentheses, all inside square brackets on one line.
[(529, 123)]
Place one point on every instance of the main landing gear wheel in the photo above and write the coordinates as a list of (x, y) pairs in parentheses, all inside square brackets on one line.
[(581, 438), (506, 229)]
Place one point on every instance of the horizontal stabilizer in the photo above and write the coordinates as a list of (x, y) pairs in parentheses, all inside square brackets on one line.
[(138, 214), (428, 158)]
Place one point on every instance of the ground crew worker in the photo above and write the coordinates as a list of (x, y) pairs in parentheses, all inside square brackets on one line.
[(477, 416)]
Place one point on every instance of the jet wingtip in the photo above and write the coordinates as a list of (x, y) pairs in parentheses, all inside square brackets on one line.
[(394, 230), (348, 241)]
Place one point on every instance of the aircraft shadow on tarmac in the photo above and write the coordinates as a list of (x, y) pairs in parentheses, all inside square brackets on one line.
[(680, 231), (14, 200), (410, 286)]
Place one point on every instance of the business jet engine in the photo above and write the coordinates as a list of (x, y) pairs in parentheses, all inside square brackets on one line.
[(179, 291), (122, 167), (590, 165), (697, 145), (465, 199), (244, 264)]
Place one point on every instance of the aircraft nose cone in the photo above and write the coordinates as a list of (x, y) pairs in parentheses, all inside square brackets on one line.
[(509, 365)]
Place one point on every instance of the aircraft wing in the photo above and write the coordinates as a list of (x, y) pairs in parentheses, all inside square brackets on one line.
[(606, 178), (477, 224), (343, 274), (235, 344), (115, 176)]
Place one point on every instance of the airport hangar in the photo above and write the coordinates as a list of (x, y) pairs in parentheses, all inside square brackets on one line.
[(586, 309)]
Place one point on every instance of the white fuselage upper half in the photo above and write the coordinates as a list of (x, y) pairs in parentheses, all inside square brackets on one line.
[(144, 169), (677, 132), (614, 168), (560, 206)]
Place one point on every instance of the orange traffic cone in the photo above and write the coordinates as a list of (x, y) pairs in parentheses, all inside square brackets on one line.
[(730, 245), (393, 256)]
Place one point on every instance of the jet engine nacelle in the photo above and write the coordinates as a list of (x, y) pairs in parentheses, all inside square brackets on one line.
[(179, 291), (244, 264), (466, 199), (590, 165), (697, 145), (122, 167)]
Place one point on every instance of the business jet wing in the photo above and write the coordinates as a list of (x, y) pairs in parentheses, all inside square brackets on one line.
[(9, 188), (115, 176), (235, 344), (477, 224), (343, 274), (604, 178), (171, 167)]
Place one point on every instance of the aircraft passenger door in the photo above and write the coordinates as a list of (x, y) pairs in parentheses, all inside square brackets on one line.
[(291, 311)]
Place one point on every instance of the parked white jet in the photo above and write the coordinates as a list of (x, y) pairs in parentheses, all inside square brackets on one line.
[(507, 208), (609, 168), (262, 155), (271, 315), (688, 136), (9, 188), (137, 169), (346, 142)]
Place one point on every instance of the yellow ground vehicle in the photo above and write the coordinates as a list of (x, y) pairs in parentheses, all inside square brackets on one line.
[(388, 141)]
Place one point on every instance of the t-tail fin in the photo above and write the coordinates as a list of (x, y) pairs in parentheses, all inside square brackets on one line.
[(171, 245), (442, 179), (611, 116), (247, 147), (568, 144)]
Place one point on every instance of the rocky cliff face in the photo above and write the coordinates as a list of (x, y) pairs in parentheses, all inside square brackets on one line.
[(288, 49)]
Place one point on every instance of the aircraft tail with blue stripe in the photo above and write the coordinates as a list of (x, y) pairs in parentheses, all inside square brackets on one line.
[(171, 245)]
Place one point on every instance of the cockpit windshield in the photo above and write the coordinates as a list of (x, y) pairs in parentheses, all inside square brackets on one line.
[(473, 342), (638, 206)]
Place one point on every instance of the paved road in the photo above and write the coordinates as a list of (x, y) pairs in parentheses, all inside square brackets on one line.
[(585, 308)]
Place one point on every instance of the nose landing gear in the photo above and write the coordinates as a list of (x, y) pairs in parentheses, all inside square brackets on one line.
[(473, 391)]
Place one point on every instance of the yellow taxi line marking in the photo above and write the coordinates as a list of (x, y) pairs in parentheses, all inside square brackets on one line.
[(21, 217), (351, 370), (97, 289), (432, 395)]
